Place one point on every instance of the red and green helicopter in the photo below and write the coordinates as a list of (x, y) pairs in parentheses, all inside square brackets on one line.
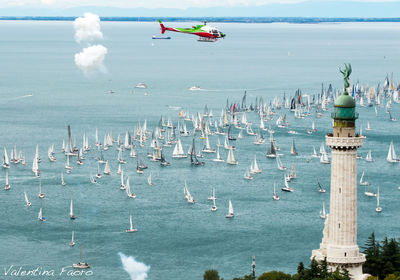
[(206, 33)]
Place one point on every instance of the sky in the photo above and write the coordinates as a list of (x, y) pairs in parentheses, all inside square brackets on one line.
[(202, 8)]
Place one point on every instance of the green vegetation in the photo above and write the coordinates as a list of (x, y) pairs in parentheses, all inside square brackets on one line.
[(211, 274), (383, 263), (383, 258)]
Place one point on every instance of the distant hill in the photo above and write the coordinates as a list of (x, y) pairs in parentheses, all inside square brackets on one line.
[(329, 10), (211, 19)]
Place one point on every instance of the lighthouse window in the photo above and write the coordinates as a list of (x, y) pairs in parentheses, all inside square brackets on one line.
[(345, 254), (339, 225), (340, 190)]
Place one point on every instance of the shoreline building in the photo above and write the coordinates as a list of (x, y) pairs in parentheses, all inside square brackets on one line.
[(339, 242)]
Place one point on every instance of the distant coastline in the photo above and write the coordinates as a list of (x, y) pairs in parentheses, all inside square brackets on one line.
[(307, 20)]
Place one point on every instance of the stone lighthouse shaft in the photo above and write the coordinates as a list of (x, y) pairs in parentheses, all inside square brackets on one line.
[(339, 243)]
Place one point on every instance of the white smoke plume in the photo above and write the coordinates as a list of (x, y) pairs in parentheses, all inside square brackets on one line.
[(136, 270), (91, 58), (87, 28)]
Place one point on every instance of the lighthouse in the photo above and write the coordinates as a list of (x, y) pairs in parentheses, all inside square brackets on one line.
[(339, 242)]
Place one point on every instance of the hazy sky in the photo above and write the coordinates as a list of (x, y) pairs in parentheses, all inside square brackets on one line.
[(315, 8)]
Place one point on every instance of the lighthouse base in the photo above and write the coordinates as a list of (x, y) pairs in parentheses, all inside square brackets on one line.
[(354, 268)]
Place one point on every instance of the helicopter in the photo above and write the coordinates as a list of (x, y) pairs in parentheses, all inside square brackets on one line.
[(206, 33)]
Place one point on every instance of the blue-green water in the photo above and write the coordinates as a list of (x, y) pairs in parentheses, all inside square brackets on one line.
[(178, 240)]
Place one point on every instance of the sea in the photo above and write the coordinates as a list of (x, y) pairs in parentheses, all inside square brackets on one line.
[(42, 91)]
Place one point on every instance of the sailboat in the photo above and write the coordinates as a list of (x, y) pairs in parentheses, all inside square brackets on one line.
[(98, 175), (6, 160), (369, 192), (72, 242), (50, 154), (149, 180), (178, 150), (362, 182), (320, 188), (274, 196), (293, 151), (324, 158), (128, 189), (35, 163), (40, 215), (212, 196), (207, 148), (286, 188), (107, 170), (71, 211), (81, 265), (247, 175), (378, 207), (279, 163), (92, 180), (231, 158), (392, 157), (27, 200), (315, 154), (131, 229), (256, 169), (369, 156), (271, 152), (7, 186), (218, 159), (214, 207), (368, 128), (122, 187), (67, 164), (322, 213), (41, 195), (62, 180), (230, 211), (188, 195), (120, 159)]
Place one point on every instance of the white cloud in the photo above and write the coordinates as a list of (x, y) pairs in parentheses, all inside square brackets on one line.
[(91, 58), (135, 269), (87, 28), (47, 2)]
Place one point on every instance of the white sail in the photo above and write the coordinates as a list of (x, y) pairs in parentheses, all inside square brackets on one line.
[(392, 157), (279, 163), (322, 213), (71, 209), (26, 199), (40, 216), (149, 180), (369, 156), (256, 169), (107, 169), (231, 157), (230, 210), (130, 223), (178, 150)]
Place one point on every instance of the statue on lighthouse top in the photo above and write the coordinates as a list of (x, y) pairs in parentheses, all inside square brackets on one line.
[(344, 114)]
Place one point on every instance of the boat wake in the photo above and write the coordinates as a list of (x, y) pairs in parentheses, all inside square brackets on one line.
[(135, 269), (15, 98)]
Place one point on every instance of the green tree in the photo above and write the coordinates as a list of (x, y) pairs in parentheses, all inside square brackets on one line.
[(300, 268), (274, 275), (392, 277), (246, 277), (211, 274)]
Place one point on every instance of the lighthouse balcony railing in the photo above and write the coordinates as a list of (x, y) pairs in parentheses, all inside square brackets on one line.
[(344, 142)]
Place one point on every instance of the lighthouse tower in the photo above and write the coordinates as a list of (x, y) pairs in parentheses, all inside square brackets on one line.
[(339, 242)]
